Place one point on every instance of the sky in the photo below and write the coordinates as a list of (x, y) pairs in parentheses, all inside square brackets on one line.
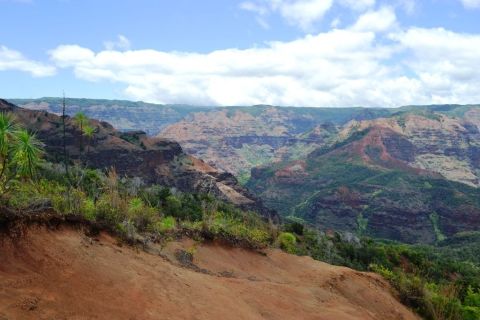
[(315, 53)]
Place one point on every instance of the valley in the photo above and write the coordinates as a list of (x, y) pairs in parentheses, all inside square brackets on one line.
[(408, 174), (240, 160), (142, 204)]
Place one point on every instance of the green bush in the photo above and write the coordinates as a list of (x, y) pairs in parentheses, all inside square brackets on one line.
[(89, 210), (140, 214), (155, 196), (232, 228), (166, 224), (287, 242), (107, 212), (470, 313), (173, 206), (472, 298)]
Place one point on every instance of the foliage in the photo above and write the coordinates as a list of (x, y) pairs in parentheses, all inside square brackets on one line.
[(20, 152), (234, 228), (429, 279), (130, 208), (27, 152), (166, 224), (439, 282), (287, 242)]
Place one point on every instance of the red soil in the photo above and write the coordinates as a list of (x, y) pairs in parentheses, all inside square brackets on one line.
[(63, 274)]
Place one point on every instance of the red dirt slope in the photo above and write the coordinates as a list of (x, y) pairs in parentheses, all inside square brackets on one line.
[(63, 274)]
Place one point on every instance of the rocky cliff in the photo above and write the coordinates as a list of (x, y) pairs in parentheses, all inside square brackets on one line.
[(435, 142), (410, 177), (155, 160), (236, 139)]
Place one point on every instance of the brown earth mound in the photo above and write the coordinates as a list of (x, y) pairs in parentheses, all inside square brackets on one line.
[(63, 274)]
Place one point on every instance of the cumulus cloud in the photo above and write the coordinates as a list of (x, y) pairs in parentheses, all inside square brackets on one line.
[(471, 4), (14, 60), (121, 43), (447, 63), (332, 68), (376, 21), (341, 67), (301, 13), (358, 5)]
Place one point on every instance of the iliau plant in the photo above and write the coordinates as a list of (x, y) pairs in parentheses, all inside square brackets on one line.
[(80, 120), (86, 129), (88, 132), (20, 152)]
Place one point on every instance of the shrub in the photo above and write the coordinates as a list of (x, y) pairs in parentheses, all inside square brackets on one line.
[(166, 224), (107, 211), (191, 207), (294, 227), (173, 206), (91, 182), (442, 302), (155, 196), (140, 214), (232, 229), (89, 210), (472, 298), (470, 313), (287, 242)]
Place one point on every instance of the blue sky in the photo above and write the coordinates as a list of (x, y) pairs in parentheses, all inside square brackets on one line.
[(283, 52)]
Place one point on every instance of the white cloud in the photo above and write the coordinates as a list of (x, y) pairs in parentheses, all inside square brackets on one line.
[(122, 43), (447, 63), (301, 13), (335, 23), (358, 5), (471, 4), (376, 21), (347, 67), (313, 70), (14, 60), (409, 6)]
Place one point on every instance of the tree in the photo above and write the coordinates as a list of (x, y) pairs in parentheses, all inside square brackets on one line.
[(27, 153), (7, 134), (65, 154), (81, 120), (20, 152), (88, 132)]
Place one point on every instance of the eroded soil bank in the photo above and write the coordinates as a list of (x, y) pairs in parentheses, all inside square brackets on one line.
[(64, 274)]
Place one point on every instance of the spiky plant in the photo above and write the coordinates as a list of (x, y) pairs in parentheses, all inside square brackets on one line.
[(88, 132), (80, 120), (27, 153), (8, 130)]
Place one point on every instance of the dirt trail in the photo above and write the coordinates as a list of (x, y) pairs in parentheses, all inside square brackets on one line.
[(63, 274)]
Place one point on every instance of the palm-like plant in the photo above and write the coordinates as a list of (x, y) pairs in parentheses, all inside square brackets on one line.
[(81, 121), (88, 132), (27, 153), (8, 131)]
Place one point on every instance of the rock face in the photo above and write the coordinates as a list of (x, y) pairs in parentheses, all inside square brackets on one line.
[(410, 173), (435, 142), (237, 139), (123, 115), (410, 177), (233, 139), (155, 160)]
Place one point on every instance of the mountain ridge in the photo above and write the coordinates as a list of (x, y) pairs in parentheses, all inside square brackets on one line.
[(156, 160)]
